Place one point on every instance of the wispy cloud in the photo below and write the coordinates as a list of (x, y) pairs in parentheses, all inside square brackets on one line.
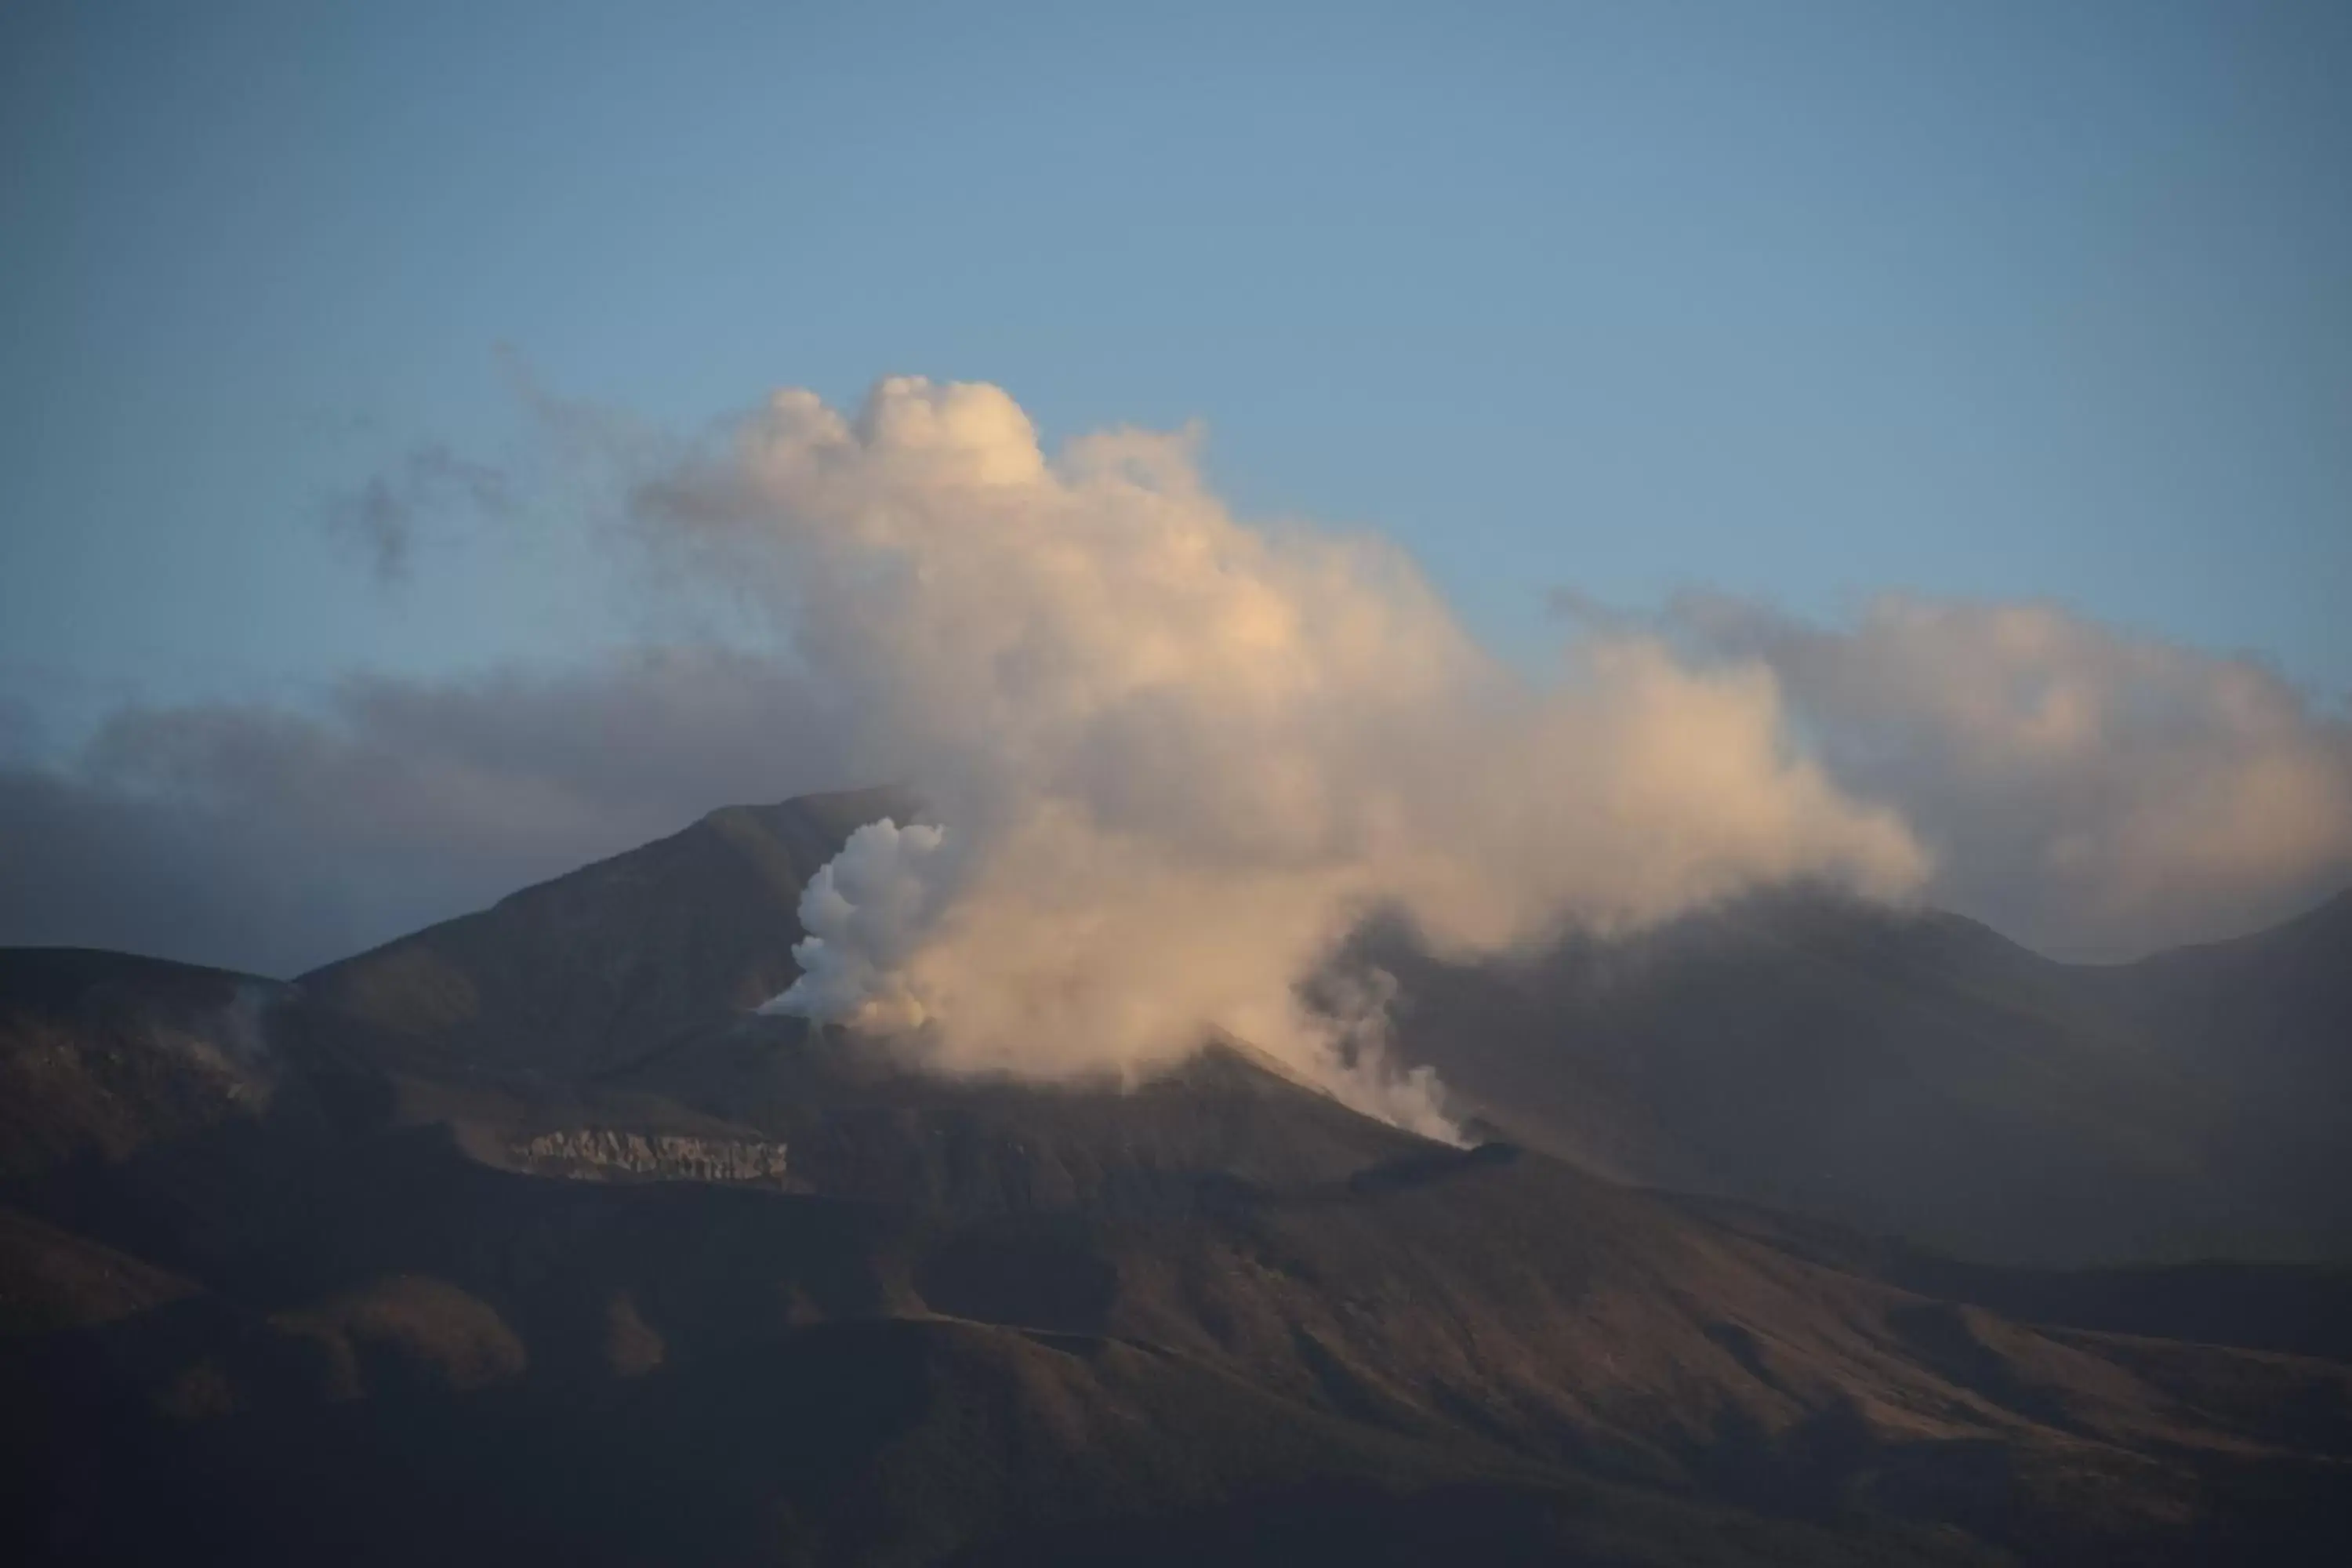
[(394, 510), (266, 839)]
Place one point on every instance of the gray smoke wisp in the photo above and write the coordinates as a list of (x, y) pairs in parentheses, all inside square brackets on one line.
[(1178, 756)]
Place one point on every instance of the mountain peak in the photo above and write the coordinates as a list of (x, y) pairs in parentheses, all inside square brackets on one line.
[(594, 968)]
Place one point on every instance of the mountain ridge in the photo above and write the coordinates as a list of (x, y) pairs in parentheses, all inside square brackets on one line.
[(1917, 1074), (324, 1301)]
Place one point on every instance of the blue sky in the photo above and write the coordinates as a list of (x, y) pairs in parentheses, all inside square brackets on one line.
[(1800, 301)]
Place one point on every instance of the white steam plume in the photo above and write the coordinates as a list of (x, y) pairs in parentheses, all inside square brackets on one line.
[(863, 912), (1178, 756)]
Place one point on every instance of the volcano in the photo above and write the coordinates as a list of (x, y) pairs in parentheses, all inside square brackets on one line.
[(524, 1237)]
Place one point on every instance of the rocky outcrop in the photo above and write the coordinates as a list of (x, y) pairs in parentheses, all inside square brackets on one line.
[(604, 1154)]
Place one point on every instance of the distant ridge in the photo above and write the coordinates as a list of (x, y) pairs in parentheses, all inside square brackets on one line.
[(1915, 1073)]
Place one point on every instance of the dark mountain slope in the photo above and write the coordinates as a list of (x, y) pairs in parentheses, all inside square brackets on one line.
[(2279, 1001), (617, 958), (2271, 1017), (588, 1263), (2297, 1309), (102, 1054), (1006, 1324), (862, 1126), (894, 1442), (1915, 1074)]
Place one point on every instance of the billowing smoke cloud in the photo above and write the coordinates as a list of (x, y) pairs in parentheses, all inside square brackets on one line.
[(2086, 790), (1178, 757)]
